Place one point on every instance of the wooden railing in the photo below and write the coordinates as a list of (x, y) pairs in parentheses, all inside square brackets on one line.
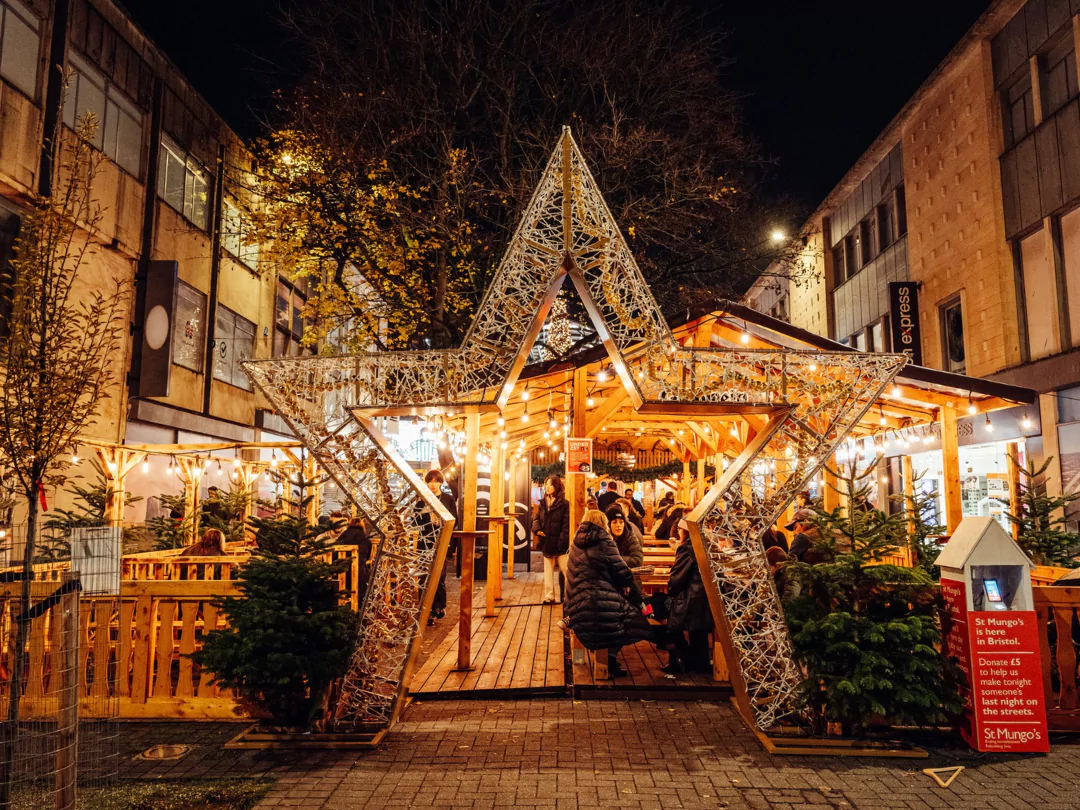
[(1059, 643), (141, 640)]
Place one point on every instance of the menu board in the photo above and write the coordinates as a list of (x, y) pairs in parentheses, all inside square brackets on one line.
[(998, 652)]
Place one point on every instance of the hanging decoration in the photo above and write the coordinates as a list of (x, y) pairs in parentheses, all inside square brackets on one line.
[(618, 472), (559, 338)]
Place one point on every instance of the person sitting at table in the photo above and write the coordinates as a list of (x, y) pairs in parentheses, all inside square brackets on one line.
[(627, 539), (774, 538), (631, 514), (601, 593), (688, 610), (635, 504), (666, 529), (551, 528), (211, 544), (803, 530)]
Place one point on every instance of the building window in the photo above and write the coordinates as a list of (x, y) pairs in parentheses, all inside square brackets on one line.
[(899, 212), (779, 309), (190, 325), (20, 45), (289, 322), (868, 240), (858, 340), (119, 123), (1018, 108), (850, 253), (1039, 291), (183, 184), (1059, 74), (877, 337), (838, 263), (236, 236), (885, 229), (952, 336), (9, 233), (1070, 252), (234, 342)]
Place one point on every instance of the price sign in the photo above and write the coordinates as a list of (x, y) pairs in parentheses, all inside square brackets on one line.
[(998, 651), (578, 455)]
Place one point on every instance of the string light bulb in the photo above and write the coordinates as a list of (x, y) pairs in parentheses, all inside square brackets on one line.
[(971, 407), (525, 417), (745, 337), (145, 467), (219, 470), (1027, 422), (500, 421), (989, 424), (601, 376), (74, 458), (896, 390), (525, 394), (589, 402), (273, 458)]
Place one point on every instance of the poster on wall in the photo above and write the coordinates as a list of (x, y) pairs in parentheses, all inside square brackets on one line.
[(578, 455)]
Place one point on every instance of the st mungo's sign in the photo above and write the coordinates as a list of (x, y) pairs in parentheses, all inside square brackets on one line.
[(904, 319)]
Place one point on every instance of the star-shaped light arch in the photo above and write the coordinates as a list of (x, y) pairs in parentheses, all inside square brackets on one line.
[(811, 401)]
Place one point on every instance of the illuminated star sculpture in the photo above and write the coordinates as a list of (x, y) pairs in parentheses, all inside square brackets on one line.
[(804, 403)]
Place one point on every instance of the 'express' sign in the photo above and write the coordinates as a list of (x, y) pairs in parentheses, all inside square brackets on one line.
[(904, 319)]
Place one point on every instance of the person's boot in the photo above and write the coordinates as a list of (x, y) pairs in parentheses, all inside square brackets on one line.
[(614, 670), (675, 664)]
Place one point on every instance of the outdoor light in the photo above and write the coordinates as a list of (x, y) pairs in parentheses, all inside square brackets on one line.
[(112, 466), (525, 394), (989, 424), (601, 376), (500, 421), (553, 423), (884, 479), (745, 337), (813, 366), (777, 235), (273, 458), (206, 464), (236, 461), (3, 534), (589, 402), (145, 467), (219, 470), (525, 417), (547, 435), (1027, 422), (502, 434), (896, 390), (971, 406), (734, 432)]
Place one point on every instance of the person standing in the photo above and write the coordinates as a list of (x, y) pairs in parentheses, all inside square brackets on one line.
[(600, 585), (688, 610), (607, 497), (551, 528), (434, 480)]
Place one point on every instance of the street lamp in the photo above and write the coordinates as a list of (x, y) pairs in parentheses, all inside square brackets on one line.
[(777, 235)]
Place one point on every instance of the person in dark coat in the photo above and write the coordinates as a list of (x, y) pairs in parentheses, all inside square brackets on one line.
[(354, 535), (632, 515), (774, 538), (627, 538), (688, 609), (635, 504), (606, 498), (551, 528), (600, 587), (428, 536), (665, 530)]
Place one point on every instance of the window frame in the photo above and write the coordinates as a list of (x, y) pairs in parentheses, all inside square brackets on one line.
[(200, 350), (113, 99), (1058, 55), (27, 16), (193, 170), (952, 302), (286, 334), (1016, 92), (246, 254)]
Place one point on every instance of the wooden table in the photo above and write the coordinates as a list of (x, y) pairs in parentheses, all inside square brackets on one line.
[(467, 550), (493, 586)]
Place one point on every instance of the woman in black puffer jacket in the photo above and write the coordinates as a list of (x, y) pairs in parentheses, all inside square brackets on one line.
[(551, 528), (688, 609), (600, 587)]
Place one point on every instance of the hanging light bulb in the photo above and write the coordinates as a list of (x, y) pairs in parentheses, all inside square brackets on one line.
[(589, 402), (236, 462), (219, 470), (145, 467), (206, 464), (745, 337), (971, 407), (1027, 422), (927, 438), (989, 424), (502, 434), (273, 458), (601, 376), (112, 466), (525, 394), (75, 457), (553, 424), (734, 432), (896, 390), (525, 417), (500, 421), (813, 366), (547, 435)]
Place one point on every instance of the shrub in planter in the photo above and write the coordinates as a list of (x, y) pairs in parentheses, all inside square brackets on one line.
[(868, 635), (288, 637)]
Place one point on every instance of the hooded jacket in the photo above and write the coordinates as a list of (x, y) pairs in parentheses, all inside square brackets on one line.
[(554, 522), (596, 609)]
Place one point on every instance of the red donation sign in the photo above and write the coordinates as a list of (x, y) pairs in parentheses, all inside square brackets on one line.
[(578, 455), (998, 651)]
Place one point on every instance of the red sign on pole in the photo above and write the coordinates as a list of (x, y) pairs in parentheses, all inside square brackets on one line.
[(578, 455), (999, 654)]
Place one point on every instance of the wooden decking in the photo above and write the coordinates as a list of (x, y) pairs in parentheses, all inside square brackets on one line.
[(519, 651), (522, 652)]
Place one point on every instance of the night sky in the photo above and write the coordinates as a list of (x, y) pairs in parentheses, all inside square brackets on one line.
[(821, 79)]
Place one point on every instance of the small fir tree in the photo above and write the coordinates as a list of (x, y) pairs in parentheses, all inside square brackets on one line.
[(172, 527), (288, 637), (1042, 520), (867, 633), (920, 512)]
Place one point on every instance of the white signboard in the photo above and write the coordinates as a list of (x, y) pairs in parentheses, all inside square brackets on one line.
[(95, 557)]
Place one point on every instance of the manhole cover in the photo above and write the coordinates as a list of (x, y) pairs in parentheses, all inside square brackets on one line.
[(164, 752)]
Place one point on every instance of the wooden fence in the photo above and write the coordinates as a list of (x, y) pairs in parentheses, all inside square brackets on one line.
[(1059, 643)]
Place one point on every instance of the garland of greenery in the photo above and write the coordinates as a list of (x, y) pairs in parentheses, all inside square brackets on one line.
[(617, 472)]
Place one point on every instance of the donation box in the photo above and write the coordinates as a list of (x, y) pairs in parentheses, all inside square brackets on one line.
[(986, 585)]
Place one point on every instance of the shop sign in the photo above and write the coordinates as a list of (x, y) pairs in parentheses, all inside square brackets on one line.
[(578, 455), (904, 319), (998, 653)]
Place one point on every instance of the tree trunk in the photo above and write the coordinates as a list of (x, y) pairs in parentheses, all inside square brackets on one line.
[(18, 666)]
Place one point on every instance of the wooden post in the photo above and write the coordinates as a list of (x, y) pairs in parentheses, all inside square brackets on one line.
[(511, 532), (883, 484), (314, 507), (1048, 415), (492, 587), (575, 482), (950, 456), (67, 673), (117, 463), (1012, 451), (909, 495), (700, 477), (467, 546), (191, 473), (830, 497), (684, 484)]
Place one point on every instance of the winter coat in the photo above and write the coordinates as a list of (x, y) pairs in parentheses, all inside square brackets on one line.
[(606, 499), (689, 604), (596, 609), (631, 549), (635, 518), (428, 533), (665, 526), (554, 522)]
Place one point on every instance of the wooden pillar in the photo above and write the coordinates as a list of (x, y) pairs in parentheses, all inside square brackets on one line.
[(511, 532), (883, 484), (117, 463), (950, 456), (575, 482), (492, 587), (908, 473), (191, 473), (1048, 415), (830, 497), (467, 545), (684, 484), (701, 478), (1012, 451), (66, 670), (314, 507)]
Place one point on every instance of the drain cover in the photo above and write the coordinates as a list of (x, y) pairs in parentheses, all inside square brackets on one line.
[(164, 752)]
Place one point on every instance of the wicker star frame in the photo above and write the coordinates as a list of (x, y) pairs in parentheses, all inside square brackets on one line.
[(807, 402)]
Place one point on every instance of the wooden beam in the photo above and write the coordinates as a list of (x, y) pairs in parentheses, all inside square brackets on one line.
[(1012, 451), (469, 475), (492, 589), (908, 473), (708, 438), (579, 426), (611, 403), (950, 456)]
